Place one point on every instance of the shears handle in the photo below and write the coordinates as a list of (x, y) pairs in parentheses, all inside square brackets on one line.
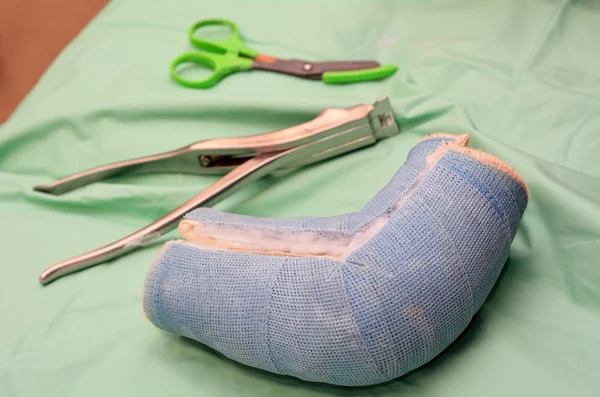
[(223, 56), (223, 65), (233, 43)]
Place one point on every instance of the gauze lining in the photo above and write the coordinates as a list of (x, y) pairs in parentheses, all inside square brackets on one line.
[(276, 242)]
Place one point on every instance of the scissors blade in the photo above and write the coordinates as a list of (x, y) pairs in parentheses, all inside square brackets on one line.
[(313, 70)]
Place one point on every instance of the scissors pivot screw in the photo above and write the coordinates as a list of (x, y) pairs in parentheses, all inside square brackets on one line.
[(205, 161), (307, 67)]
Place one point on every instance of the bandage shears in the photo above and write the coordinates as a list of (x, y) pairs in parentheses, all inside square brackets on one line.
[(243, 160), (231, 55)]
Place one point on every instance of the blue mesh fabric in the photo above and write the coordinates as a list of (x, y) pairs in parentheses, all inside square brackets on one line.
[(395, 303)]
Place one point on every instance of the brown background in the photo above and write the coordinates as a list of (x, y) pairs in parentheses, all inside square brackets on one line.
[(32, 34)]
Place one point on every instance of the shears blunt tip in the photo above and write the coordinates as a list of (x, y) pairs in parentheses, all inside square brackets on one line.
[(354, 76), (58, 187), (43, 189), (46, 277)]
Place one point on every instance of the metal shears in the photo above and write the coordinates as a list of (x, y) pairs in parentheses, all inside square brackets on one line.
[(242, 160), (231, 55)]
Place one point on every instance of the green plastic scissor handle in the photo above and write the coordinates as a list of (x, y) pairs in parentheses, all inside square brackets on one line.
[(222, 65), (233, 43), (354, 76), (223, 56)]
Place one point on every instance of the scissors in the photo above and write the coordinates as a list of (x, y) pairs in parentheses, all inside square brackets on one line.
[(242, 160), (231, 55)]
